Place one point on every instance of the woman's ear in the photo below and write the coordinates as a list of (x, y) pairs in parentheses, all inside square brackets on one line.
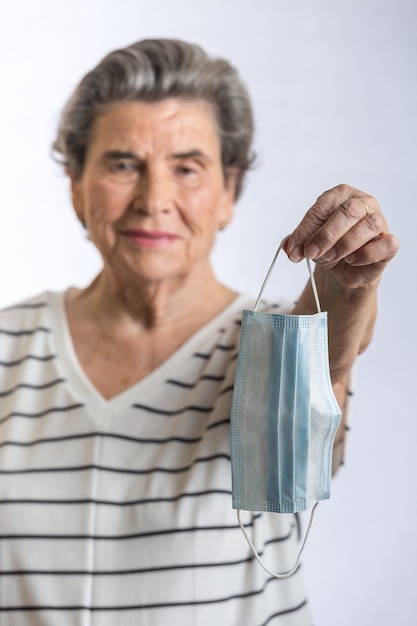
[(231, 175), (229, 196)]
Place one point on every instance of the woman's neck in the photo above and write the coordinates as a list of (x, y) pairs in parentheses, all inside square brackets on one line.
[(151, 305), (121, 334)]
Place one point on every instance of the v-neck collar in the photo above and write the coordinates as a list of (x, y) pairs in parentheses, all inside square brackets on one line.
[(81, 385)]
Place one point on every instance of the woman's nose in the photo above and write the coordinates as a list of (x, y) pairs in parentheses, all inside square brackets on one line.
[(154, 194)]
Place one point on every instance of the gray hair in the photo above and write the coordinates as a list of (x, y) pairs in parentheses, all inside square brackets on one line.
[(153, 70)]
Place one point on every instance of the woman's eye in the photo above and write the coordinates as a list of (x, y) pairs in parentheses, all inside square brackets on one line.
[(187, 170), (123, 167)]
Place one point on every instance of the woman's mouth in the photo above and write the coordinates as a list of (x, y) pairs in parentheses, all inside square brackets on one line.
[(150, 238)]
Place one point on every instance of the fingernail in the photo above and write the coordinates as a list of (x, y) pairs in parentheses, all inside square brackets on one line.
[(312, 251), (296, 254), (351, 259)]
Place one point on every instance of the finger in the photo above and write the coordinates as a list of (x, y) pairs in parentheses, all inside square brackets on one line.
[(381, 249), (353, 202), (348, 241), (328, 241)]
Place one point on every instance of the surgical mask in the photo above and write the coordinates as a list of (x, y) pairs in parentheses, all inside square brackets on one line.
[(284, 414)]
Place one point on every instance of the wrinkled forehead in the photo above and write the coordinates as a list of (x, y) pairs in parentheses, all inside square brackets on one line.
[(166, 113), (169, 124)]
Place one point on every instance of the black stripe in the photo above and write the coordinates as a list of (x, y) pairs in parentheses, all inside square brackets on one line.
[(51, 383), (143, 535), (223, 422), (118, 470), (55, 409), (127, 438), (142, 440), (128, 572), (223, 392), (219, 346), (28, 357), (161, 605), (196, 494), (180, 383), (19, 333), (285, 612), (185, 409), (136, 571)]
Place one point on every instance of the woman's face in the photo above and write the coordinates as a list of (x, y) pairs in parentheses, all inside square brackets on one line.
[(153, 192)]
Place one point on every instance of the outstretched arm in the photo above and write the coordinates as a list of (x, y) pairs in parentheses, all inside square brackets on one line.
[(347, 236)]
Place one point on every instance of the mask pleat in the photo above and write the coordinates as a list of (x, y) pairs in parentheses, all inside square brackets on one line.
[(285, 424), (302, 414), (274, 393), (293, 415)]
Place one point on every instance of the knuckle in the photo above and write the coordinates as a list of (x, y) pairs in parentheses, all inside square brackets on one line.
[(317, 215), (352, 210), (375, 220), (376, 223), (393, 245), (340, 190), (344, 189)]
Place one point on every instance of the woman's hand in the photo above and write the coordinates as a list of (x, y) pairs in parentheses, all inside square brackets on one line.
[(345, 233)]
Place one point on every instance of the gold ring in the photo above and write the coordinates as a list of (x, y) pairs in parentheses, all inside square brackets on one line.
[(367, 209)]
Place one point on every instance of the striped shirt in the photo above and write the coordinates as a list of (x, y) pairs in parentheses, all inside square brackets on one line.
[(119, 511)]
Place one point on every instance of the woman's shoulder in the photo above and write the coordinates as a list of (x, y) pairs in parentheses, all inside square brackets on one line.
[(20, 315)]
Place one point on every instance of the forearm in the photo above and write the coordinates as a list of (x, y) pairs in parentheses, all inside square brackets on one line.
[(351, 319)]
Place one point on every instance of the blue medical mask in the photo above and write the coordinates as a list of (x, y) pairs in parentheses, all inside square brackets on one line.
[(284, 413)]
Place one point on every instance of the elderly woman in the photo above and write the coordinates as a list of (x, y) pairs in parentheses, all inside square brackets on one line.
[(115, 498)]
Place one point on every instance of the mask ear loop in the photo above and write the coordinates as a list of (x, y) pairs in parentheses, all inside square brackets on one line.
[(258, 558), (267, 277), (251, 545)]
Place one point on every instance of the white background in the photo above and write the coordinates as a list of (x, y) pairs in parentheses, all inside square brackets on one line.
[(334, 92)]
